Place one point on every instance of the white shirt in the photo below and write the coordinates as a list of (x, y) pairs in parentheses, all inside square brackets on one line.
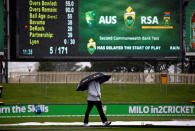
[(93, 91)]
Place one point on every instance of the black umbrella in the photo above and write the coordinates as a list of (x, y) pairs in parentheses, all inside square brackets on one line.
[(83, 85)]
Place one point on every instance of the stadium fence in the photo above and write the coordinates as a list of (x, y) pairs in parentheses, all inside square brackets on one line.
[(120, 78)]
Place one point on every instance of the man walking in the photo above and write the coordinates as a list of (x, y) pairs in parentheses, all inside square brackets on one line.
[(94, 98)]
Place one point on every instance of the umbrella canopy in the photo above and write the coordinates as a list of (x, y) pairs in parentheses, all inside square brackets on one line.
[(83, 85)]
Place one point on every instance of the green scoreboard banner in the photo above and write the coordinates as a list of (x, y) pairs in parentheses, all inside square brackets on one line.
[(130, 28), (17, 111), (190, 28)]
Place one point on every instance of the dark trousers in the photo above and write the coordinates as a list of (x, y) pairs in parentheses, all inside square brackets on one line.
[(98, 105)]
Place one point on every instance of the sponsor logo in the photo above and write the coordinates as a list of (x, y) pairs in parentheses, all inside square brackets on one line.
[(91, 46), (129, 17), (90, 17)]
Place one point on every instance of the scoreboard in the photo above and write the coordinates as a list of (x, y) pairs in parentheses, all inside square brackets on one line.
[(94, 30)]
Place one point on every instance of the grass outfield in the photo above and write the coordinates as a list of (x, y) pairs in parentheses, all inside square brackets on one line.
[(111, 94)]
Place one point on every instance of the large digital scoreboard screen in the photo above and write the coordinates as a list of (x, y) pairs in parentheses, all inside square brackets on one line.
[(94, 29), (190, 29)]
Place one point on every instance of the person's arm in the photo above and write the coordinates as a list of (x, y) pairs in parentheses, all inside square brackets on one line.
[(97, 86)]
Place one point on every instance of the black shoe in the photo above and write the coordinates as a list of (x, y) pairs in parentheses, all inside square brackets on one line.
[(86, 124), (107, 123)]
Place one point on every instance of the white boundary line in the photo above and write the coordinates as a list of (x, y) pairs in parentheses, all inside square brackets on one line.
[(84, 115), (116, 123)]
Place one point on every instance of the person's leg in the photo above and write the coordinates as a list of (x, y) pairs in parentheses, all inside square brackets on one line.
[(98, 105), (89, 107)]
